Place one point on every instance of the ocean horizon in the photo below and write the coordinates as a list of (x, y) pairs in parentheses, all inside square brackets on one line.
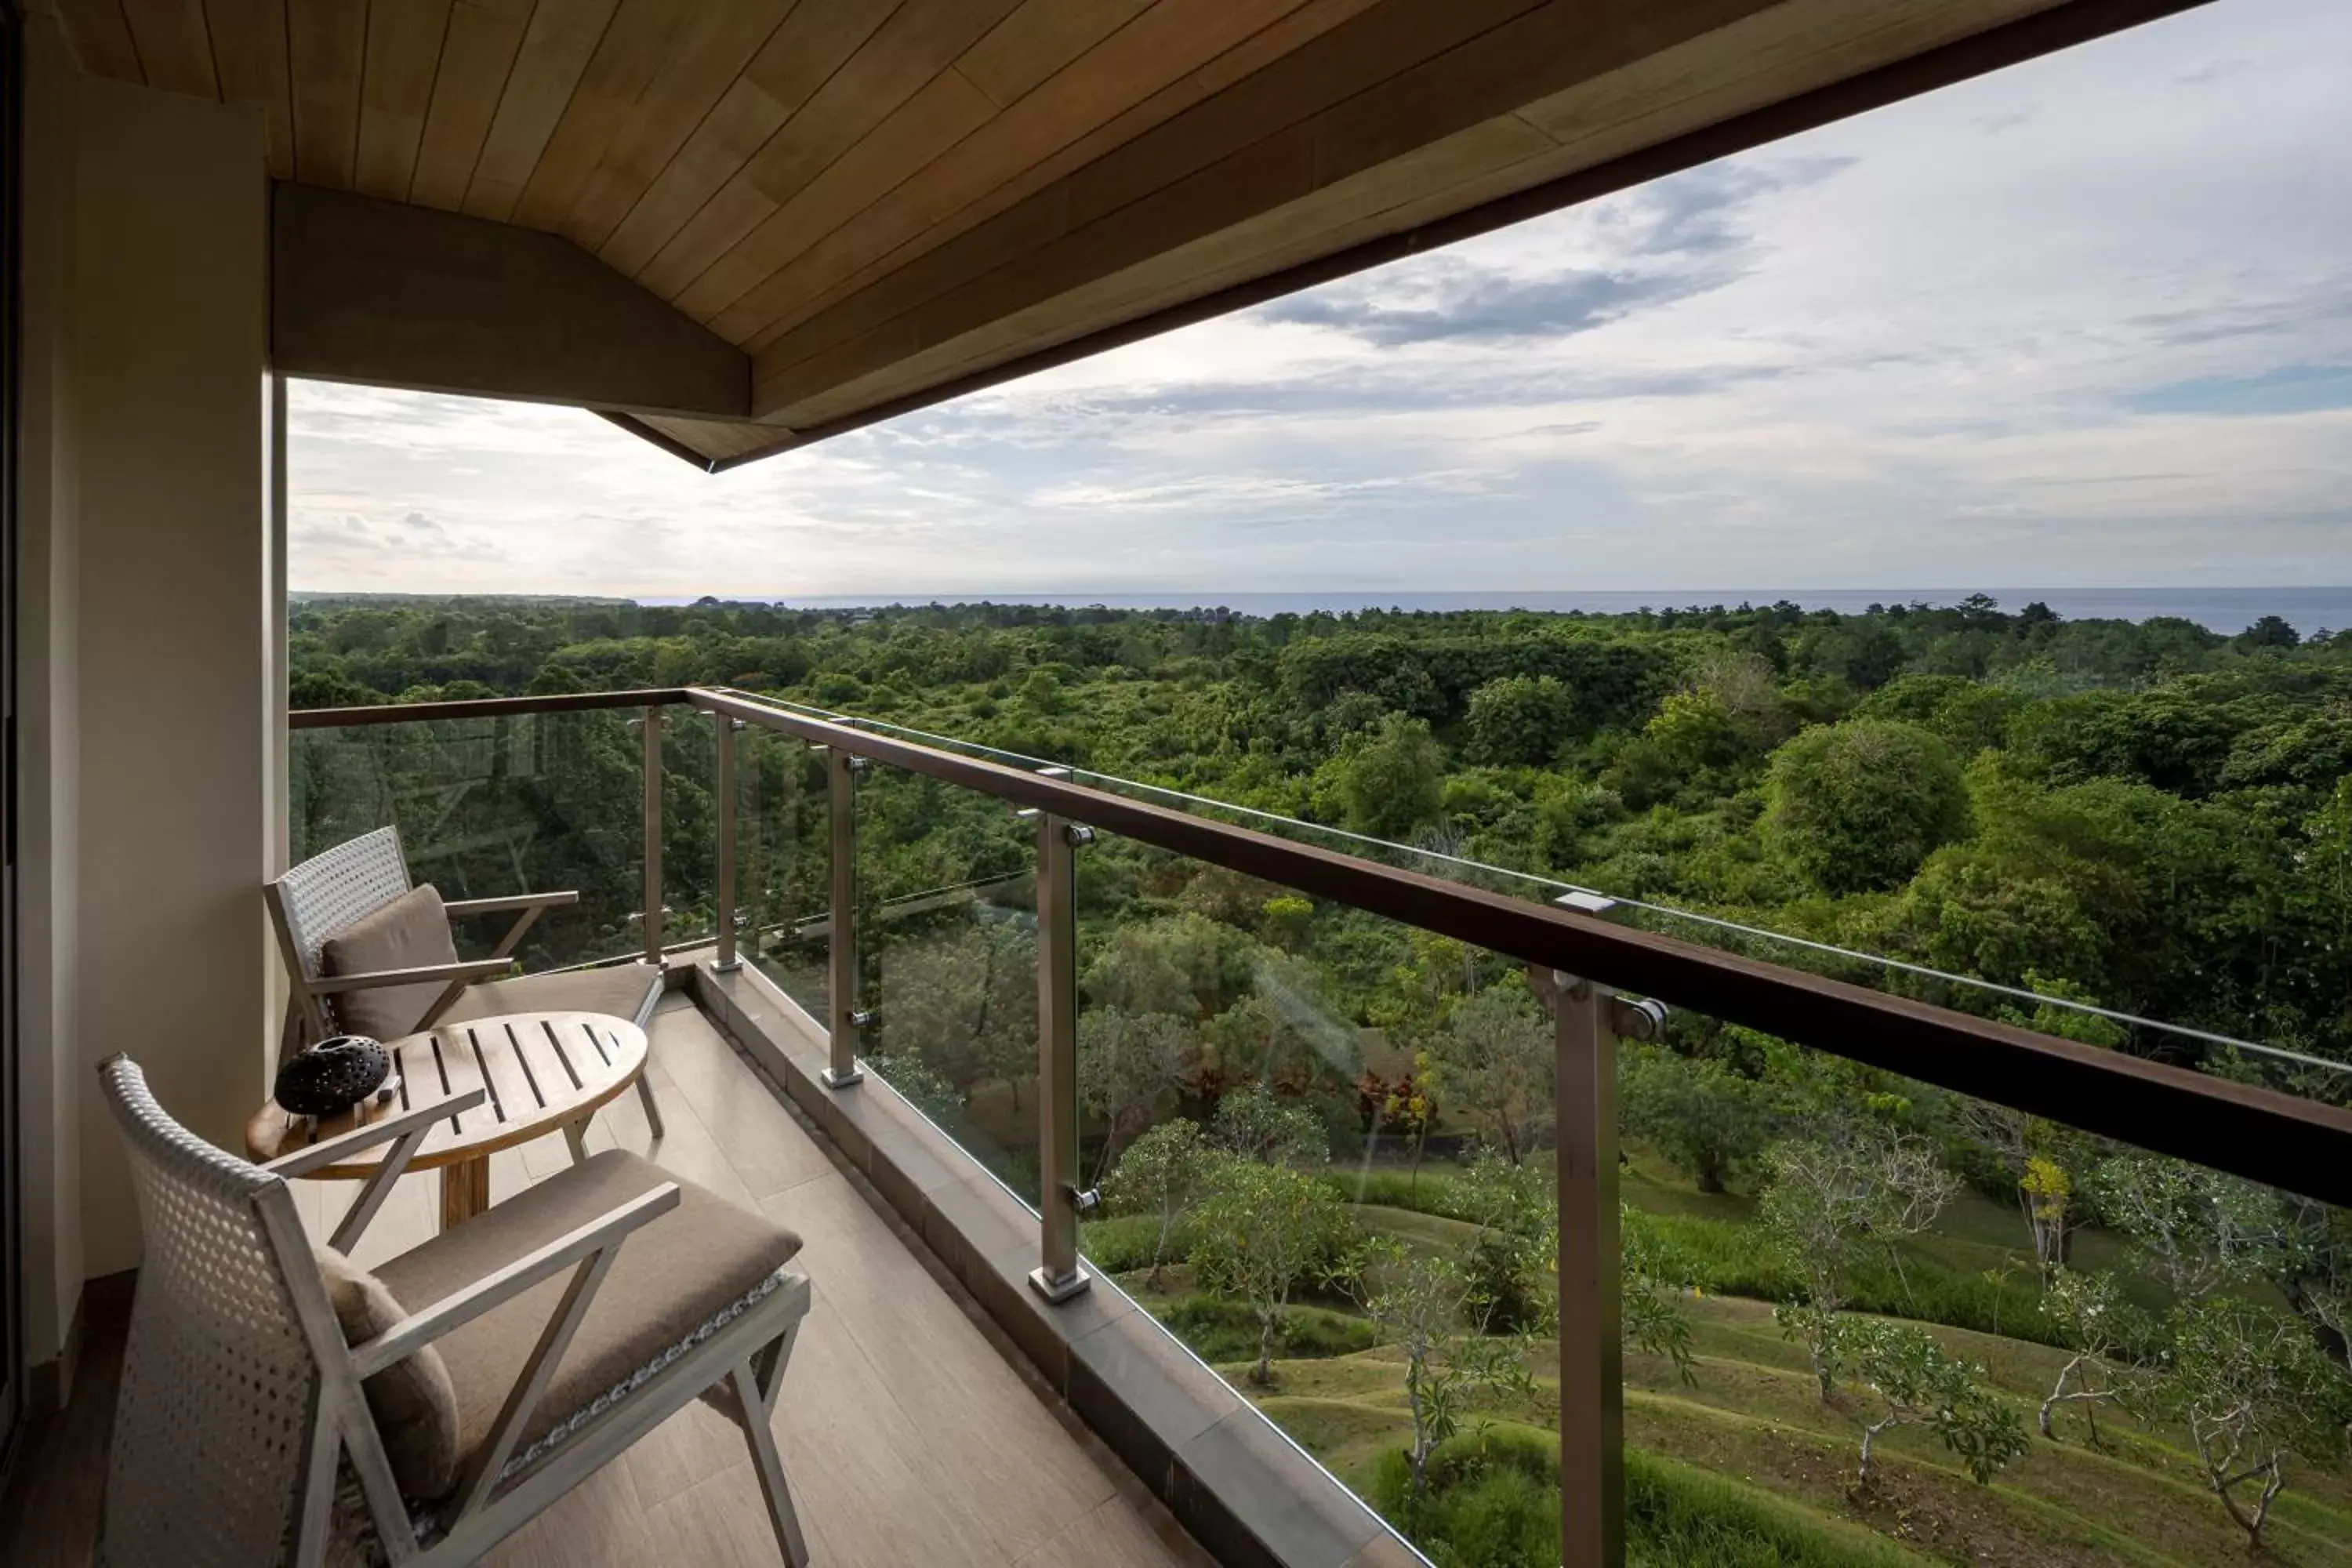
[(2227, 611)]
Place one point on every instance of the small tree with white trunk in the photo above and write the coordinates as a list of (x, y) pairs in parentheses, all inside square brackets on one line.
[(1918, 1385)]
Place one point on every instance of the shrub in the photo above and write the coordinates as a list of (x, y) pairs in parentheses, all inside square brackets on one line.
[(1122, 1245), (1723, 1258), (1224, 1332), (1494, 1502), (1430, 1193)]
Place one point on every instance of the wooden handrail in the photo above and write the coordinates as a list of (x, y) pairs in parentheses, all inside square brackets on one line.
[(481, 708), (2260, 1134)]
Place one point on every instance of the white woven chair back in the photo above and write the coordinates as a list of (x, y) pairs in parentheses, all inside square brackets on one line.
[(328, 891), (218, 1380)]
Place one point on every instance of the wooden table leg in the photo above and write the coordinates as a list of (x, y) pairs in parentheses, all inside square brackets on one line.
[(464, 1191)]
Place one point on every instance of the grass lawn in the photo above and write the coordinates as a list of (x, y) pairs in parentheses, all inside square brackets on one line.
[(1753, 1421)]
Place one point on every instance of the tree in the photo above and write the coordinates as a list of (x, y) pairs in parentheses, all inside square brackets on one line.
[(2092, 1320), (1160, 1174), (1510, 1262), (1918, 1385), (1187, 964), (2253, 1388), (2194, 1228), (1696, 1110), (1390, 782), (1835, 1201), (1263, 1232), (1417, 1304), (966, 1003), (1255, 1125), (1494, 1061), (2271, 631), (1521, 720), (2043, 1157), (1126, 1062), (1650, 1318), (1858, 807), (1286, 921)]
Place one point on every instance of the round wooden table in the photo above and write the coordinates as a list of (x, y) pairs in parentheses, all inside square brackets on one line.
[(545, 1072)]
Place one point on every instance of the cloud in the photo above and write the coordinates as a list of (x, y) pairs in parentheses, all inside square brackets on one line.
[(1678, 236), (2289, 389), (2085, 319)]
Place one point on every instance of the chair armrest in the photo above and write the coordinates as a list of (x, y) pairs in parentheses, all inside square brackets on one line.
[(461, 1307), (510, 902), (373, 979), (334, 1150)]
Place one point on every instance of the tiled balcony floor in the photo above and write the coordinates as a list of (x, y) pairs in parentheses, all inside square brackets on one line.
[(909, 1437)]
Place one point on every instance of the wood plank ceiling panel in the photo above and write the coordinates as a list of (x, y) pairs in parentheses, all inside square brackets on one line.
[(1254, 144), (1144, 74), (719, 45), (99, 34), (636, 45), (326, 51), (476, 57), (1038, 39), (404, 56), (717, 255), (249, 57), (556, 48), (797, 59), (174, 45)]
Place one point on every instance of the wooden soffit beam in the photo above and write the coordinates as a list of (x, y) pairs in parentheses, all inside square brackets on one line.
[(363, 289)]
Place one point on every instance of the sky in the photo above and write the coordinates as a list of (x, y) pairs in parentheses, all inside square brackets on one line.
[(2087, 321)]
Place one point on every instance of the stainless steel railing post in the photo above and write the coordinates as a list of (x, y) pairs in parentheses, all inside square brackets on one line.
[(848, 1020), (652, 722), (1061, 1196), (728, 962), (1592, 1377)]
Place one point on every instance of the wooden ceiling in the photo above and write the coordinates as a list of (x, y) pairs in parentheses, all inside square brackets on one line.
[(882, 203)]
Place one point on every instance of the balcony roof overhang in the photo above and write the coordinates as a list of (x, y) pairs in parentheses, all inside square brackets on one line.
[(737, 228)]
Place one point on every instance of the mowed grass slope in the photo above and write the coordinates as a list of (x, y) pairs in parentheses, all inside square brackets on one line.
[(1752, 1420)]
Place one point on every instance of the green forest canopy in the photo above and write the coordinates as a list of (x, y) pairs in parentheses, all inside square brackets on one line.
[(2148, 816)]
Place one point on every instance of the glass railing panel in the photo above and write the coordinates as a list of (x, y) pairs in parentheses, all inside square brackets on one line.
[(689, 826), (522, 803), (1322, 1140), (2006, 960), (1871, 1321), (784, 863), (947, 930)]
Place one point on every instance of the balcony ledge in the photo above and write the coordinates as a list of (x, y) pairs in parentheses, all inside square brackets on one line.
[(1243, 1489)]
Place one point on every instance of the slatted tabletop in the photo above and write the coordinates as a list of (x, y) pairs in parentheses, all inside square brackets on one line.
[(543, 1071)]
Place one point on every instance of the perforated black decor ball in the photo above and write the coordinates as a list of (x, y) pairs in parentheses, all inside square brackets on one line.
[(332, 1075)]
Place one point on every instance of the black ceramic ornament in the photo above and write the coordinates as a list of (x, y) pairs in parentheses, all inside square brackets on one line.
[(332, 1076)]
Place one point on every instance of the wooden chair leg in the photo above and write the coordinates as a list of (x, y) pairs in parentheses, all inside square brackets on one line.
[(752, 1405), (653, 1111), (575, 1135)]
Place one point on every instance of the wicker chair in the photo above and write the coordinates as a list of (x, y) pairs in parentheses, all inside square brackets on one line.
[(244, 1435), (329, 892)]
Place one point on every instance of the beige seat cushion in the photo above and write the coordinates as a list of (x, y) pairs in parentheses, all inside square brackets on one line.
[(669, 1278), (618, 992), (413, 1401), (410, 932)]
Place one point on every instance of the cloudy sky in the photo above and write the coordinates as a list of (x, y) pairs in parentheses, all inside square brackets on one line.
[(2085, 322)]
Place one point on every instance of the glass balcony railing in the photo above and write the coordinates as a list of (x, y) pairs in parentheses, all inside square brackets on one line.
[(1561, 1228)]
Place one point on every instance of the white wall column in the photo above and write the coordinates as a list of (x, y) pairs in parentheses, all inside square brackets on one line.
[(171, 272)]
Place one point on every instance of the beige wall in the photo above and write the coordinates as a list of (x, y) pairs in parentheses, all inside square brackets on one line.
[(171, 281), (146, 558)]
